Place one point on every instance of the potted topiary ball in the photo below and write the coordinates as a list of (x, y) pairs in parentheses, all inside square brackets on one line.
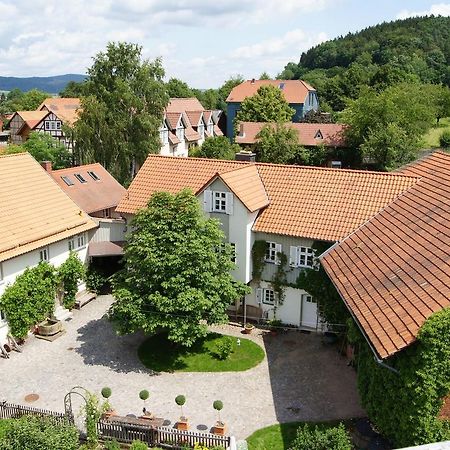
[(144, 395), (248, 328), (108, 410), (219, 427), (182, 424)]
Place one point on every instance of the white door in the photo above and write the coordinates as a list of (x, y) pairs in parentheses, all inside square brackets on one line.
[(308, 312)]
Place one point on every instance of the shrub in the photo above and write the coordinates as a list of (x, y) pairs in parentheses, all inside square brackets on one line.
[(106, 392), (95, 280), (111, 445), (138, 445), (144, 395), (318, 438), (70, 273), (444, 139), (37, 433), (30, 299), (224, 348)]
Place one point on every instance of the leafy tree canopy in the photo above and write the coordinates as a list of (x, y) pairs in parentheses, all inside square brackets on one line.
[(43, 147), (218, 147), (177, 271), (267, 105), (74, 89), (178, 89), (121, 115), (16, 100)]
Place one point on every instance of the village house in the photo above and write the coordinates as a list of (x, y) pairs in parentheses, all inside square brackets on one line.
[(186, 124), (330, 135), (287, 208), (39, 222), (300, 95), (49, 118), (393, 272)]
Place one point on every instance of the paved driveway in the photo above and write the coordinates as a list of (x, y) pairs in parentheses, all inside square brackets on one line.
[(300, 378)]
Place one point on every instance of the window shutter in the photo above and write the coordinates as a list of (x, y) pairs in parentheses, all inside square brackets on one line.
[(229, 199), (293, 262), (259, 292), (278, 249), (207, 200)]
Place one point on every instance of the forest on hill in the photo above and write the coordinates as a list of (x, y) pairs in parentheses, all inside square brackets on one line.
[(410, 50)]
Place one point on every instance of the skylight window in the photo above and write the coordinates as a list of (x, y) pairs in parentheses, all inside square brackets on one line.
[(80, 178), (281, 86), (93, 175), (67, 180)]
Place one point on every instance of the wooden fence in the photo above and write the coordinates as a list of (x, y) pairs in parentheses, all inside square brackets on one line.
[(163, 437), (13, 411)]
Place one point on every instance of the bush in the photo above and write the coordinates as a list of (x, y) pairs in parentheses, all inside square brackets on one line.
[(138, 445), (318, 438), (144, 395), (224, 348), (444, 139), (36, 433), (111, 445), (70, 273), (95, 280), (106, 392)]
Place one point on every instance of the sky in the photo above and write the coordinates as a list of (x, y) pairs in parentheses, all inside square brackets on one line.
[(202, 42)]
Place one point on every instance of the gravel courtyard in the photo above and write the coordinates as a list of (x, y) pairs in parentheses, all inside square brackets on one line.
[(300, 378)]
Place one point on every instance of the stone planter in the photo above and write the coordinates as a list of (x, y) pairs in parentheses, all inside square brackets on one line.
[(49, 327), (248, 328)]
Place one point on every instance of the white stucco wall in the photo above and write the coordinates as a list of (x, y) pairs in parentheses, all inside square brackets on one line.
[(12, 268)]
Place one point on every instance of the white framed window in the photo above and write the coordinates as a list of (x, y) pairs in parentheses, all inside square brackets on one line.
[(44, 254), (210, 128), (272, 250), (77, 242), (164, 135), (180, 133), (302, 257), (308, 298), (265, 296), (336, 164), (219, 201), (58, 125)]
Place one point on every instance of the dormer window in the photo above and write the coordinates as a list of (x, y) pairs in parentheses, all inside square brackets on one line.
[(318, 135), (180, 133), (164, 134)]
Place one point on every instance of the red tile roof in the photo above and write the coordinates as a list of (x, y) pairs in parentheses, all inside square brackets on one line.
[(394, 271), (311, 202), (173, 119), (94, 195), (295, 91), (66, 109), (184, 104), (31, 118), (309, 134)]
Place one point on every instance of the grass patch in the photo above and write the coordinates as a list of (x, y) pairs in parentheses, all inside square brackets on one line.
[(281, 435), (431, 139), (160, 354)]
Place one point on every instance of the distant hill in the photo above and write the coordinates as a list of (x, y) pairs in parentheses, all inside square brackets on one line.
[(52, 85), (414, 49)]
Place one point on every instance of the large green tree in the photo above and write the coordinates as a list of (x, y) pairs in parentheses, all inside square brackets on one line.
[(121, 115), (16, 100), (178, 89), (267, 105), (387, 126), (44, 147), (177, 271)]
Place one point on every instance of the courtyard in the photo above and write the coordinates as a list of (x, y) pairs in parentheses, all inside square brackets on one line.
[(300, 378)]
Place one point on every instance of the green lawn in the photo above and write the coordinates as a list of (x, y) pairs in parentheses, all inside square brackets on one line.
[(281, 435), (432, 137), (161, 355)]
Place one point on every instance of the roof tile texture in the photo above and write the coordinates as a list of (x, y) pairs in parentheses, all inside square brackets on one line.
[(332, 133), (295, 91), (65, 108), (34, 211), (394, 271), (310, 202), (93, 195)]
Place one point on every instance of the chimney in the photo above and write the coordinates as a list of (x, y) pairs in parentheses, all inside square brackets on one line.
[(47, 165), (246, 155), (253, 81)]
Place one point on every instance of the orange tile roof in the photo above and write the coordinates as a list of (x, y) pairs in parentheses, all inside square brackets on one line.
[(173, 138), (191, 135), (217, 131), (32, 118), (311, 202), (332, 133), (194, 117), (295, 91), (184, 104), (172, 119), (247, 185), (207, 114), (34, 211), (394, 271), (93, 195), (66, 109)]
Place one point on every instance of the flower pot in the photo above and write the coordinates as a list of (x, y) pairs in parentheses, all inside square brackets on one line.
[(183, 424), (107, 414), (49, 327), (219, 428), (248, 328)]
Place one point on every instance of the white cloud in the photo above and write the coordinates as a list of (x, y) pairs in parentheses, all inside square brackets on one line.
[(438, 9)]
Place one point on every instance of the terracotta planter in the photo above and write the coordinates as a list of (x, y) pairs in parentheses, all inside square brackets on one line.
[(248, 328), (219, 428), (183, 424), (107, 414)]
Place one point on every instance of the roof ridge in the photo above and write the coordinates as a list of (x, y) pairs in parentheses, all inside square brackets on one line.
[(13, 154)]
